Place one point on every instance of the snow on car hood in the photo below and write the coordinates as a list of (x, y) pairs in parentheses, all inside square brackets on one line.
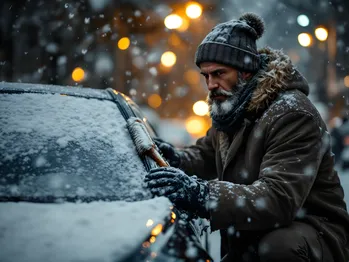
[(97, 231)]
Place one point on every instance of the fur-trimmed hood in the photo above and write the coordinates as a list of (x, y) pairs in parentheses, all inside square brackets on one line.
[(279, 75)]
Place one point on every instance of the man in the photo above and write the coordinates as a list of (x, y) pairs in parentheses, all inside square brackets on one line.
[(277, 197)]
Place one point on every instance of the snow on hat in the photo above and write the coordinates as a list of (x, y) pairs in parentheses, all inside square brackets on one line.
[(233, 43)]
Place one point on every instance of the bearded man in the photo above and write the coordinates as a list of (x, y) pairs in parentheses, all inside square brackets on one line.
[(264, 173)]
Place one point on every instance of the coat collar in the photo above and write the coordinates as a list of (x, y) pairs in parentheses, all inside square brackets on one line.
[(279, 75)]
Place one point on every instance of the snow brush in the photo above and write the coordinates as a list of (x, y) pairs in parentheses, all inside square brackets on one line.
[(142, 140)]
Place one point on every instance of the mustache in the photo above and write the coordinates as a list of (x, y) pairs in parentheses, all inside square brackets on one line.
[(219, 92)]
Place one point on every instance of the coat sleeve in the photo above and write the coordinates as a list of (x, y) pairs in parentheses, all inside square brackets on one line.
[(200, 159), (294, 146)]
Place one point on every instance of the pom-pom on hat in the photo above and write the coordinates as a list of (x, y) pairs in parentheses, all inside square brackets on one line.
[(233, 43)]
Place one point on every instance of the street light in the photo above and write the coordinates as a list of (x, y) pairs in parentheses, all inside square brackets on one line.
[(200, 108), (321, 33), (173, 21), (154, 100), (303, 20), (195, 126), (78, 74), (304, 39), (193, 10), (168, 59), (124, 43)]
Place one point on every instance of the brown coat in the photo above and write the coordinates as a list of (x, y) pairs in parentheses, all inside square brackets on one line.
[(276, 169)]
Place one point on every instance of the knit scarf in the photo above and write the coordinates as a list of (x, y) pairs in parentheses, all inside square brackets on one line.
[(232, 120)]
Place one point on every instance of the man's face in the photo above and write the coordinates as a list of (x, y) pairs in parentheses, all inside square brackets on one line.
[(224, 84)]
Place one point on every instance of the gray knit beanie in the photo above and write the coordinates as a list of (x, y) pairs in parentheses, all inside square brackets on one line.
[(233, 43)]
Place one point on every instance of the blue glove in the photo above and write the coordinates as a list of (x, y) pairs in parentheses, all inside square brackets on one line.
[(169, 152), (186, 192)]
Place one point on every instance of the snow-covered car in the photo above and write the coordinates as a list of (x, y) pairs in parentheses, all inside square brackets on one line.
[(71, 182)]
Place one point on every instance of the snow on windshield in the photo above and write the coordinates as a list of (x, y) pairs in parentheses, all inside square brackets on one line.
[(97, 231), (62, 146)]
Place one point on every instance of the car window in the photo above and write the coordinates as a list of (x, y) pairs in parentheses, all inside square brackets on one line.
[(55, 145)]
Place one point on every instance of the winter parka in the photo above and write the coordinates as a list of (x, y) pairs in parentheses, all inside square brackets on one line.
[(276, 169)]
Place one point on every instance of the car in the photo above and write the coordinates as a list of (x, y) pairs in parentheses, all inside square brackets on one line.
[(71, 181)]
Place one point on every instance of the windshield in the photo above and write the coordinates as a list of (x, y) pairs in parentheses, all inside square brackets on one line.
[(61, 146)]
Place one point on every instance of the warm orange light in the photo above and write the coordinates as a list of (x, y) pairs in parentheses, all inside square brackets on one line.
[(200, 108), (195, 125), (184, 26), (173, 215), (152, 239), (346, 81), (304, 39), (168, 59), (192, 77), (321, 33), (173, 21), (78, 74), (124, 43), (154, 100), (193, 10), (156, 230), (174, 40)]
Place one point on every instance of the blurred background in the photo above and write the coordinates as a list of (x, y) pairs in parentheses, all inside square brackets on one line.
[(146, 48)]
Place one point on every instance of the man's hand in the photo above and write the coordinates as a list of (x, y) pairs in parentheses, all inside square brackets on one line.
[(169, 152), (189, 193)]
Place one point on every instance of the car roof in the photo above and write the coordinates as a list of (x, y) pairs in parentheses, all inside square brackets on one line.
[(124, 102), (85, 92)]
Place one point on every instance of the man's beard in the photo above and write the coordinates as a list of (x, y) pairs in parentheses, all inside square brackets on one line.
[(218, 108)]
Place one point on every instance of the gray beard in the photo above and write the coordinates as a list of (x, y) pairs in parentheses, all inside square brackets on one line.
[(218, 109)]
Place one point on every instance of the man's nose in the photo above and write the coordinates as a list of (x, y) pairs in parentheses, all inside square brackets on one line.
[(211, 84)]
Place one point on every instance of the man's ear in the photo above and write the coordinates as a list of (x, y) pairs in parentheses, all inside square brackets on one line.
[(246, 75)]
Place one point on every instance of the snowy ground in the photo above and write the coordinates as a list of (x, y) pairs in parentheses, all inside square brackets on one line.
[(215, 237)]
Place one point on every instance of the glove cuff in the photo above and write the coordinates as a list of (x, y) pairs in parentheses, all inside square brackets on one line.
[(203, 197)]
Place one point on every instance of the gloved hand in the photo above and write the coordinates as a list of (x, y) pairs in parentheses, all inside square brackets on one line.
[(186, 192), (169, 152)]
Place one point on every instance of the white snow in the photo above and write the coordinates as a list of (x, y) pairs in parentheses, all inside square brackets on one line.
[(104, 64), (153, 71), (97, 231), (83, 143)]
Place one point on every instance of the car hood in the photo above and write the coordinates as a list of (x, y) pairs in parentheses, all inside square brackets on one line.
[(96, 231)]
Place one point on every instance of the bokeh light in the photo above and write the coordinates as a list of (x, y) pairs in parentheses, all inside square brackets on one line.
[(346, 81), (200, 108), (321, 33), (193, 10), (303, 20), (78, 74), (184, 26), (173, 21), (196, 126), (154, 101), (304, 39), (192, 76), (168, 59), (124, 43)]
